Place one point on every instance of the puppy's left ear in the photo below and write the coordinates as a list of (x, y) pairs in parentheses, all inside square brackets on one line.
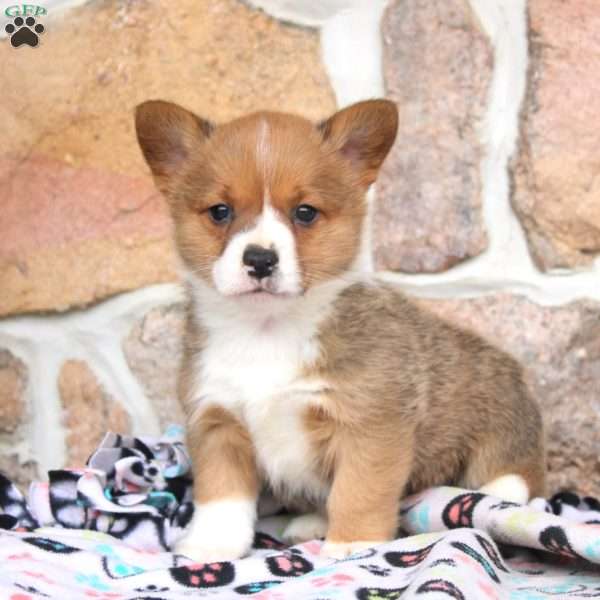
[(363, 134), (168, 136)]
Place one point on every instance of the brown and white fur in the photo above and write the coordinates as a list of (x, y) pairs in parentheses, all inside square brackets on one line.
[(334, 390)]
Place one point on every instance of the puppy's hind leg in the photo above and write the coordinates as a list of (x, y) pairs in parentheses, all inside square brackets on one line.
[(509, 461), (507, 477)]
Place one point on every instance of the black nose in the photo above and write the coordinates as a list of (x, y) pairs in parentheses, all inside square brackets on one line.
[(262, 261)]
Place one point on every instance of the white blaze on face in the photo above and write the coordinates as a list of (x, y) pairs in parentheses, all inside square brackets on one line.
[(231, 275), (262, 147)]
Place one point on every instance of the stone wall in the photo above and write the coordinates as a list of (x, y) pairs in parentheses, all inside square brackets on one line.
[(485, 211)]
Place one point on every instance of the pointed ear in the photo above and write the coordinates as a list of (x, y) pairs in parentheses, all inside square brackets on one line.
[(167, 135), (363, 133)]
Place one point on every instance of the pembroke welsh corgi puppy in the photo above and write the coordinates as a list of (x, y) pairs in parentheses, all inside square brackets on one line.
[(302, 372)]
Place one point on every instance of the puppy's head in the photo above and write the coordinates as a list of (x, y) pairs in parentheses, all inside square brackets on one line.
[(268, 204)]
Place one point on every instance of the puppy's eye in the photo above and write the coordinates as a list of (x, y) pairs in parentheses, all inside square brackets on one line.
[(221, 213), (305, 214)]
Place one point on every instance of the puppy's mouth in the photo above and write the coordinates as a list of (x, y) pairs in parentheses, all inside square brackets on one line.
[(266, 289), (242, 285), (262, 292)]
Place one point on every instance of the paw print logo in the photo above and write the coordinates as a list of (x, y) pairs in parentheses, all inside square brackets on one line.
[(24, 31)]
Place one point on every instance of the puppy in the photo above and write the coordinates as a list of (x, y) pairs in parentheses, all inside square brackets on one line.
[(300, 371)]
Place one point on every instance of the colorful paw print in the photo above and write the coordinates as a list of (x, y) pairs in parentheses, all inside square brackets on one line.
[(379, 593), (478, 557), (288, 564), (115, 568), (207, 575), (441, 587), (50, 545), (459, 512)]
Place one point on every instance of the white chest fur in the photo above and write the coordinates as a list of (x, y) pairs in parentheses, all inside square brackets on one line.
[(254, 368)]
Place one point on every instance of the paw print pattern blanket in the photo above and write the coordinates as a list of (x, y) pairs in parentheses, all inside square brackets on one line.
[(104, 532)]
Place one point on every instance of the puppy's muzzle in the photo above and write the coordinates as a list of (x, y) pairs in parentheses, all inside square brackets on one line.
[(261, 260)]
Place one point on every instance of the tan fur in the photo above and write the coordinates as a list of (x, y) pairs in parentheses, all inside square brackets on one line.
[(346, 453), (221, 450), (410, 401), (305, 163), (415, 402)]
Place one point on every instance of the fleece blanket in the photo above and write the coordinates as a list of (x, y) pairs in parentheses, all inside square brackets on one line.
[(104, 532)]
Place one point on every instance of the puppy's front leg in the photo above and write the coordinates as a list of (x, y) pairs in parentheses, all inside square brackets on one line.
[(363, 505), (225, 488)]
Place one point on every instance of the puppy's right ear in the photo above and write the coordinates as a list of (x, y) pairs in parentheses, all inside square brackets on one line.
[(168, 134)]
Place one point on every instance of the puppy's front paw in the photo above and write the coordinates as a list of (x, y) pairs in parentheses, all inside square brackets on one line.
[(339, 550), (220, 531), (305, 527)]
